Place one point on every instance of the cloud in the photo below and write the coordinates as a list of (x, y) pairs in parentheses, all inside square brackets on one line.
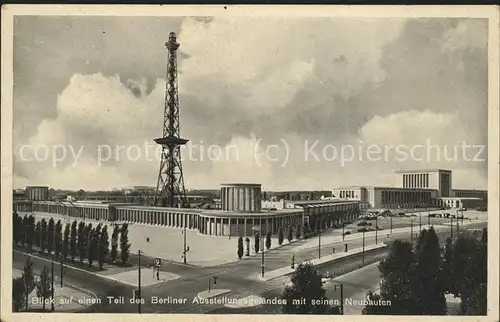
[(336, 81)]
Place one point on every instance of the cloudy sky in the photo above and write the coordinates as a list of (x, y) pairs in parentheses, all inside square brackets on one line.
[(267, 100)]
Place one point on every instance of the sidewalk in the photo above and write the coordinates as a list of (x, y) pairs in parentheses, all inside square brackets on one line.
[(312, 242), (66, 298), (328, 258)]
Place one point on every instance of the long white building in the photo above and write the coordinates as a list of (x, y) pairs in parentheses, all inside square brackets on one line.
[(414, 189)]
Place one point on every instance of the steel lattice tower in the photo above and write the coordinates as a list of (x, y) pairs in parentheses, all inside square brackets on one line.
[(170, 187)]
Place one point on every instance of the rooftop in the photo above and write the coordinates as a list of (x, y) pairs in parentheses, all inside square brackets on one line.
[(320, 202), (388, 188), (421, 170), (277, 212)]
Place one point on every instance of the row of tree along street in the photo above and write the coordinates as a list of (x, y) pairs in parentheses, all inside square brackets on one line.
[(414, 279), (308, 232), (76, 240)]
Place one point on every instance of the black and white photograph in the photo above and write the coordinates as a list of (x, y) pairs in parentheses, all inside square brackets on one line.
[(250, 161)]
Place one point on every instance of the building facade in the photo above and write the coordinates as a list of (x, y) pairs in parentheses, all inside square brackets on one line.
[(242, 213), (37, 193), (414, 189)]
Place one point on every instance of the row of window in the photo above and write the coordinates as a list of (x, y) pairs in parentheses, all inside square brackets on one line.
[(419, 180), (394, 197)]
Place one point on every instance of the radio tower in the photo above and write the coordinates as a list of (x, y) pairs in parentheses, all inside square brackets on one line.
[(170, 187)]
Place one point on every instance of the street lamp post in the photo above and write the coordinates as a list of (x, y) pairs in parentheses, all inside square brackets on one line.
[(429, 220), (319, 243), (411, 231), (61, 269), (451, 226), (52, 288), (376, 230), (343, 228), (391, 223), (420, 222), (262, 264), (341, 286), (363, 253), (139, 282), (186, 248)]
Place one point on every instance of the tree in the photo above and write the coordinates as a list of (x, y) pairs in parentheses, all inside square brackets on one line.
[(18, 294), (307, 231), (429, 286), (124, 244), (470, 274), (73, 241), (103, 247), (247, 241), (298, 232), (447, 266), (114, 243), (268, 240), (38, 234), (24, 230), (30, 233), (257, 242), (398, 279), (28, 279), (280, 236), (58, 238), (98, 230), (43, 236), (16, 227), (240, 247), (51, 236), (65, 244), (92, 242), (374, 309), (290, 234), (44, 286), (308, 287), (81, 241)]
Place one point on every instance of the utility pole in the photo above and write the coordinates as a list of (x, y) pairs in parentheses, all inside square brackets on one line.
[(341, 286), (62, 269), (262, 250), (52, 288), (391, 223), (139, 272), (411, 231), (319, 243), (420, 222), (184, 253), (376, 230), (363, 253), (429, 220), (458, 227), (343, 228), (451, 226)]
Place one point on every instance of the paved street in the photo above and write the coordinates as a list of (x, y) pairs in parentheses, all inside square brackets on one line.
[(232, 276)]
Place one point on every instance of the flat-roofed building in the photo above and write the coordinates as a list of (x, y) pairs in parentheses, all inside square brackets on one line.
[(242, 209), (413, 189)]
